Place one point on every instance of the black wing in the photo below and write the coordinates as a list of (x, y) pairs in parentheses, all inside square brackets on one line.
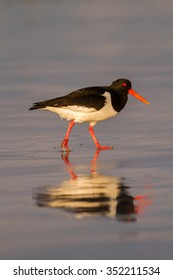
[(91, 97)]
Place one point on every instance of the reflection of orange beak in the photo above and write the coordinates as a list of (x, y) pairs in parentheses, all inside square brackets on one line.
[(135, 94)]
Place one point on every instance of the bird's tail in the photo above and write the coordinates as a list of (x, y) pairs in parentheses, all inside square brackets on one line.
[(47, 103), (37, 105)]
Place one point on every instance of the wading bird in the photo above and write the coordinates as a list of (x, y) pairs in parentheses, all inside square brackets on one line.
[(90, 104)]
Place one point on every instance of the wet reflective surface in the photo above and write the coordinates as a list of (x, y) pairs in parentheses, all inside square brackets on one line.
[(91, 194), (115, 204)]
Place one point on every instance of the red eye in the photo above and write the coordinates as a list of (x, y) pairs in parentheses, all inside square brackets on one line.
[(124, 85)]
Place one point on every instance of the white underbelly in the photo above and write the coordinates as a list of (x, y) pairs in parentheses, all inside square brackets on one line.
[(83, 114)]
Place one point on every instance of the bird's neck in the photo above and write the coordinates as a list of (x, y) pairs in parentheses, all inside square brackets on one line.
[(119, 98)]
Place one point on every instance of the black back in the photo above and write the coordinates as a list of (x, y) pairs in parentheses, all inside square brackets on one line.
[(91, 97)]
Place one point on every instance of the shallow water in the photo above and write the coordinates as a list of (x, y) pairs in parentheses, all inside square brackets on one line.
[(113, 205)]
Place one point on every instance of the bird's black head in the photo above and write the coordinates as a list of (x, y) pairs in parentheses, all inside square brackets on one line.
[(124, 87), (119, 90), (121, 84)]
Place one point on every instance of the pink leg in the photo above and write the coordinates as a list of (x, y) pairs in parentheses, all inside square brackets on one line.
[(98, 146), (64, 144)]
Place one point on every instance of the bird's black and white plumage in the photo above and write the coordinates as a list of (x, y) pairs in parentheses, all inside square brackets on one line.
[(91, 104)]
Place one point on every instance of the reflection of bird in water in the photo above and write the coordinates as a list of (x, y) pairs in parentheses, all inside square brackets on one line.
[(87, 195)]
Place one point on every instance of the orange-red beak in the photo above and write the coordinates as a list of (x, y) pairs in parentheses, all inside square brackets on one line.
[(135, 94)]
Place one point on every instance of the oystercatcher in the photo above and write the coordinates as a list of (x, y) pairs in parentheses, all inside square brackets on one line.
[(91, 104)]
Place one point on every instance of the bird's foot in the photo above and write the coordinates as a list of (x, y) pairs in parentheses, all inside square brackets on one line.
[(64, 156), (64, 146), (101, 148)]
